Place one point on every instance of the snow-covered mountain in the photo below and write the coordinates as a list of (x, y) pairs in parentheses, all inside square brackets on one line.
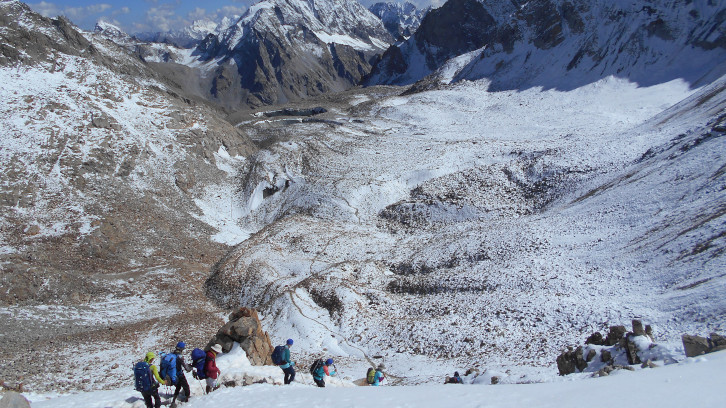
[(460, 227), (191, 36), (285, 50), (401, 20), (559, 43), (106, 172), (112, 32)]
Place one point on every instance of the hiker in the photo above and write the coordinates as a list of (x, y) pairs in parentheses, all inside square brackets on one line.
[(172, 369), (456, 379), (147, 380), (210, 368), (378, 377), (319, 370), (287, 366)]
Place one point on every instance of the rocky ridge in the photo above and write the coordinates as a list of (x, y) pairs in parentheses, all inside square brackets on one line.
[(286, 50), (104, 165)]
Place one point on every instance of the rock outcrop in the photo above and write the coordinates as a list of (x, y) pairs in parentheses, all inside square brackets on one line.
[(245, 328), (618, 350)]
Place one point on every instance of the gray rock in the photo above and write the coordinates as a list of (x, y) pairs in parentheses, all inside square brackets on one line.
[(580, 362), (495, 380), (12, 399), (631, 351), (606, 357), (649, 332), (648, 364), (716, 340), (596, 339), (695, 345), (566, 363), (590, 355), (616, 334), (638, 329)]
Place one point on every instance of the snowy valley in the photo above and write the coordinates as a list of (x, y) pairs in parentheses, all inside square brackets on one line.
[(471, 209)]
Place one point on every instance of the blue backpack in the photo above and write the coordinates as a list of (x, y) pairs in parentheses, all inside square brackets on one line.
[(142, 378), (199, 359), (277, 355), (168, 367)]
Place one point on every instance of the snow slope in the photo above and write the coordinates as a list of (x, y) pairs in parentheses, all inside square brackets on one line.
[(694, 382), (463, 227)]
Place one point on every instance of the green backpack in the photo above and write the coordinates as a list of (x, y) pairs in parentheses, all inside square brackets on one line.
[(371, 375)]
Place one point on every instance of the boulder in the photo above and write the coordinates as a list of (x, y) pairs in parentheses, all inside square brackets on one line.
[(590, 355), (596, 339), (638, 328), (566, 362), (616, 334), (695, 345), (571, 361), (12, 399), (245, 328)]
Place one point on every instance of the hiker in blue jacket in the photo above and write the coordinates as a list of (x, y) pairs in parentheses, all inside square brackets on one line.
[(181, 380), (288, 367), (379, 377), (321, 371)]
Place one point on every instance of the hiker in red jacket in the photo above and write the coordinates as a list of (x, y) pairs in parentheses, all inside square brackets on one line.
[(210, 368)]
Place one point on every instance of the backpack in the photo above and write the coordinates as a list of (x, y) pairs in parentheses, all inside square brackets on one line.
[(142, 378), (199, 360), (316, 366), (371, 375), (277, 355), (168, 367)]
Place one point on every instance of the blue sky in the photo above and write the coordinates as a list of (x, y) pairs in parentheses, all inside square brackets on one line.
[(154, 15)]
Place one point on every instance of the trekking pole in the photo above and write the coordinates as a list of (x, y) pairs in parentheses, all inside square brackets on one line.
[(204, 391)]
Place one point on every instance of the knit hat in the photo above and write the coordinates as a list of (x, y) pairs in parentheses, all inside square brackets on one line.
[(217, 348), (181, 345), (289, 342), (329, 361)]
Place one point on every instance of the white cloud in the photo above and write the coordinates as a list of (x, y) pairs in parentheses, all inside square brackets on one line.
[(197, 14), (46, 9)]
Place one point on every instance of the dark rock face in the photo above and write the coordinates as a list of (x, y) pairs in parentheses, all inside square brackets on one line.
[(244, 327), (260, 63), (401, 20), (457, 27), (610, 39)]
